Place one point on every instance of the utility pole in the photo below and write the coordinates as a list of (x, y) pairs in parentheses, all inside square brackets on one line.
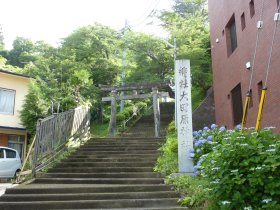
[(174, 46), (1, 39), (123, 63)]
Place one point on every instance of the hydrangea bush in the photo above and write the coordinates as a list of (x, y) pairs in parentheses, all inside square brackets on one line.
[(242, 167)]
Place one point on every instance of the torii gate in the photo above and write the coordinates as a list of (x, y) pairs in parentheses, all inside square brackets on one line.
[(115, 96)]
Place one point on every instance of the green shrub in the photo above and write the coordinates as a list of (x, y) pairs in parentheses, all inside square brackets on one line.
[(244, 170), (194, 189), (120, 117), (167, 162)]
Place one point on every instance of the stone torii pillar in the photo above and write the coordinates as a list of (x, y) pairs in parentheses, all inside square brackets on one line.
[(113, 118), (156, 112)]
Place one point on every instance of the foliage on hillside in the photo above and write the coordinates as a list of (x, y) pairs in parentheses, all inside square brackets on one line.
[(69, 75)]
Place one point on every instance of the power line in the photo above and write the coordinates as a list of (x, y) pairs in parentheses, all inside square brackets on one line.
[(150, 11)]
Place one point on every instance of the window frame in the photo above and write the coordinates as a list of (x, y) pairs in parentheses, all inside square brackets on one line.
[(14, 101), (231, 35)]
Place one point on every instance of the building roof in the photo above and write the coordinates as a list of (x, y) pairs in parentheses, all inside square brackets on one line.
[(13, 73)]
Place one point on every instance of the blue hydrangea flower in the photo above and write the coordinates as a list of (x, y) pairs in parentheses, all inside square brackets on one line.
[(238, 127), (192, 155), (204, 134), (198, 150), (195, 133), (197, 143), (210, 138), (205, 128), (199, 132), (202, 141), (195, 171), (210, 142), (192, 151), (222, 129), (214, 126)]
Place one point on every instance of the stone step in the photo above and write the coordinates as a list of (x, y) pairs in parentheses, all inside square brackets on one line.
[(90, 204), (116, 152), (113, 159), (103, 144), (129, 139), (115, 156), (85, 188), (88, 196), (100, 169), (118, 148), (101, 175), (67, 164), (99, 180)]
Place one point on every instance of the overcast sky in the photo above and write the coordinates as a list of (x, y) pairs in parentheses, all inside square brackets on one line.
[(51, 20)]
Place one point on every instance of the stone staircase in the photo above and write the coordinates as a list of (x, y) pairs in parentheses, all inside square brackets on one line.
[(104, 173), (145, 126), (110, 173)]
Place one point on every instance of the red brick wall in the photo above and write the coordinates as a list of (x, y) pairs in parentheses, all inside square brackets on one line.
[(228, 71)]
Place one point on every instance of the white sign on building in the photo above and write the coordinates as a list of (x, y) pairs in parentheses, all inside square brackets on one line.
[(184, 115)]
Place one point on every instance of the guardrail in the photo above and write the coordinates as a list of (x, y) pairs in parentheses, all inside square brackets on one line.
[(52, 135)]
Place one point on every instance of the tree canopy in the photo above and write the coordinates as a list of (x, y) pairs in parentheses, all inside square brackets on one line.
[(69, 75)]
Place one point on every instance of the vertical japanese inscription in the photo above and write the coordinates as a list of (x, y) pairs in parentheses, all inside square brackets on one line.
[(184, 115)]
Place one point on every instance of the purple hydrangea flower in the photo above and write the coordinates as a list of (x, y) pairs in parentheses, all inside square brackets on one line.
[(192, 155), (210, 138), (202, 141), (238, 127), (197, 143), (199, 132), (195, 171), (214, 126), (195, 133), (222, 129), (205, 128)]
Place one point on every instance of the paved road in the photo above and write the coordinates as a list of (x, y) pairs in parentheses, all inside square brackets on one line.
[(4, 186)]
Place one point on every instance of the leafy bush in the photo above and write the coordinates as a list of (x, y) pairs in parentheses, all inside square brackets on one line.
[(242, 167), (194, 189), (167, 162), (120, 117), (244, 171)]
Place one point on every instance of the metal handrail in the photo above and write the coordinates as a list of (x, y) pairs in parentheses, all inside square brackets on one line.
[(125, 122)]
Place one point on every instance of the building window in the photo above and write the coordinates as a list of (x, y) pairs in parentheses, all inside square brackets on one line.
[(252, 8), (260, 87), (243, 21), (7, 101), (17, 142), (237, 107), (277, 1), (231, 35)]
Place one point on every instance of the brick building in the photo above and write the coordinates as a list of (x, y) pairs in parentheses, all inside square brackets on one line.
[(233, 26)]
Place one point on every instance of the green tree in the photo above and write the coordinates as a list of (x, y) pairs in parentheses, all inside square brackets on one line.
[(34, 107), (21, 52), (188, 22), (149, 59)]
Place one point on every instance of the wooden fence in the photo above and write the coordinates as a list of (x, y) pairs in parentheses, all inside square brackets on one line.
[(52, 134)]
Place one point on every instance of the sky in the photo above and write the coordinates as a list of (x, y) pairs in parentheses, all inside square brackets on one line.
[(52, 20)]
